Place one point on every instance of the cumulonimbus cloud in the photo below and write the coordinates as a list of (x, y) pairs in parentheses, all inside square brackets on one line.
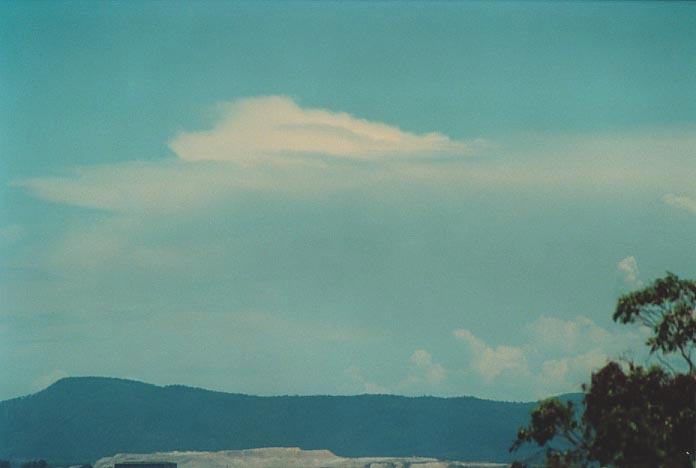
[(273, 145), (255, 129), (262, 143)]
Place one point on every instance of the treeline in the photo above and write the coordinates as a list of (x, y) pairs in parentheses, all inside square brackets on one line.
[(632, 415), (33, 464), (133, 417)]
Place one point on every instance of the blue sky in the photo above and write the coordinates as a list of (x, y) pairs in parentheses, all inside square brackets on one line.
[(302, 198)]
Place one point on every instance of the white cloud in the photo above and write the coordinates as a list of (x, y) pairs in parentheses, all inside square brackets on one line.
[(680, 201), (259, 128), (491, 362), (272, 145), (556, 355), (138, 187), (628, 267), (568, 373), (578, 343), (260, 144), (355, 375), (432, 372), (551, 334)]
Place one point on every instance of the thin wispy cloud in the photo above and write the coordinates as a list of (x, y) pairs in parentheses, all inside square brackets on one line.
[(680, 201)]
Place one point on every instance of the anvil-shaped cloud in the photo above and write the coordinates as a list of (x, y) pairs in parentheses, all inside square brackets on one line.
[(261, 143), (271, 144), (266, 127)]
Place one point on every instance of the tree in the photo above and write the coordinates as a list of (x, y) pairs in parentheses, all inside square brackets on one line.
[(35, 464), (633, 416), (668, 307)]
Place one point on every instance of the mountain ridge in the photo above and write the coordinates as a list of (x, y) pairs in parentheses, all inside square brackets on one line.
[(81, 419), (95, 378)]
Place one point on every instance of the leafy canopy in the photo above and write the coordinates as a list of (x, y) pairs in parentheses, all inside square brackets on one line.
[(633, 416), (668, 307)]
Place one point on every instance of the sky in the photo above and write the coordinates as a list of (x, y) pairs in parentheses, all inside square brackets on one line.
[(339, 198)]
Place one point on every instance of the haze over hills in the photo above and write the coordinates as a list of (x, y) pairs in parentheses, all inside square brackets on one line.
[(85, 418)]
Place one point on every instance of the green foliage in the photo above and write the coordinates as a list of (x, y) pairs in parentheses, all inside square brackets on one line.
[(35, 464), (550, 419), (633, 416), (553, 420), (86, 418), (642, 417), (666, 306)]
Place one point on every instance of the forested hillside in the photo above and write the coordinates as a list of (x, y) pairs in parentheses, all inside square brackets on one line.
[(82, 419)]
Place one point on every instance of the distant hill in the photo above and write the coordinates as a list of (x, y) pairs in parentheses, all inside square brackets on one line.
[(86, 418)]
